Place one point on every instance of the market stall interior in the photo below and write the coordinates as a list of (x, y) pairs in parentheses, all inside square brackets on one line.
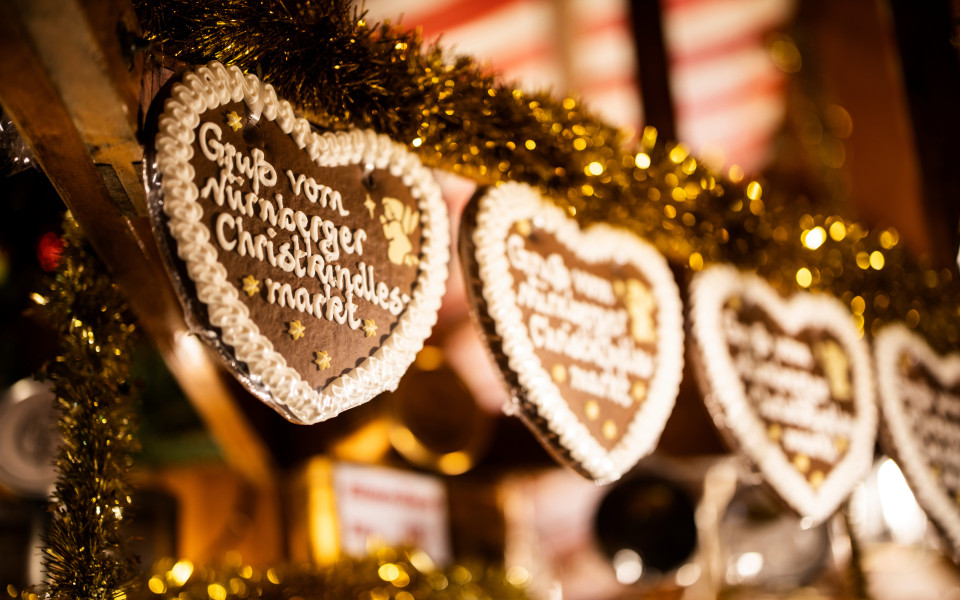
[(524, 298)]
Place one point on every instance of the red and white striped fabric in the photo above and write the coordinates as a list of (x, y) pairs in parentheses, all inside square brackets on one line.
[(727, 91)]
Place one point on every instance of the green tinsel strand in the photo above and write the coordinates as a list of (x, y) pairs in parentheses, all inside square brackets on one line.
[(85, 555)]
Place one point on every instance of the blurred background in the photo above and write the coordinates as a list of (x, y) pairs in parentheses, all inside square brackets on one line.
[(852, 103)]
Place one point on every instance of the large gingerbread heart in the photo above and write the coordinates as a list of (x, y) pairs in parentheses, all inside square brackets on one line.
[(585, 324), (920, 407), (313, 263), (788, 382)]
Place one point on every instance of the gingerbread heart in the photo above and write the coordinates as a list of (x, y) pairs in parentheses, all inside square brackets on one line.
[(585, 325), (313, 263), (788, 382), (920, 410)]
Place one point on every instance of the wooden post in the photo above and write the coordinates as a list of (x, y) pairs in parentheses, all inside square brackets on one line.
[(653, 66)]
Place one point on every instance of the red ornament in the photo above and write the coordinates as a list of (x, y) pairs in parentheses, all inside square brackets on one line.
[(49, 251)]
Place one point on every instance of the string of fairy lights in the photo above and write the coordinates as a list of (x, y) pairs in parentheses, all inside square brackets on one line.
[(343, 71)]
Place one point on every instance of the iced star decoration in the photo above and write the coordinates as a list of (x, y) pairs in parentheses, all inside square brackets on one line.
[(639, 391), (234, 121), (322, 360), (296, 330), (369, 328), (251, 285)]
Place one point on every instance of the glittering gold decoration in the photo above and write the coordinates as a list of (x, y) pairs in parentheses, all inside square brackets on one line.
[(322, 360), (85, 555), (457, 116), (251, 285), (370, 204), (841, 444), (388, 574), (296, 329), (369, 328), (234, 121), (801, 462), (523, 227)]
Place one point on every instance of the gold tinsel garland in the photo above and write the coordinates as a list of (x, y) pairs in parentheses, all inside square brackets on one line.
[(386, 574), (85, 554), (343, 71)]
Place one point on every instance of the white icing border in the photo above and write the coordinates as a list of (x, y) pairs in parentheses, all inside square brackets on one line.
[(214, 85), (891, 343), (709, 291), (499, 209)]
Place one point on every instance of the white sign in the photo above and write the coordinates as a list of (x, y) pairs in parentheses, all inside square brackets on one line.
[(396, 508)]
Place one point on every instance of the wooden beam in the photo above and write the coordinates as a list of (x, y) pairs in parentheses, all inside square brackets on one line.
[(653, 67), (930, 71), (73, 101)]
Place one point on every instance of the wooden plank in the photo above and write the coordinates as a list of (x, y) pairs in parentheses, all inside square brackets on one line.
[(75, 111), (103, 106)]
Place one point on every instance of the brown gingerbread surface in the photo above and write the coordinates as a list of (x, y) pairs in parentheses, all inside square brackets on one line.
[(584, 323), (802, 359), (372, 238), (623, 322)]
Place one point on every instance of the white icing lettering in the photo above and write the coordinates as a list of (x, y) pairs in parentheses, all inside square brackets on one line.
[(612, 385), (576, 314), (312, 245), (224, 219), (593, 287), (780, 380)]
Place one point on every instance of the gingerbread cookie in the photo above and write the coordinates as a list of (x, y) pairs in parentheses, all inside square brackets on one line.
[(585, 325), (313, 263), (788, 382), (920, 410)]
